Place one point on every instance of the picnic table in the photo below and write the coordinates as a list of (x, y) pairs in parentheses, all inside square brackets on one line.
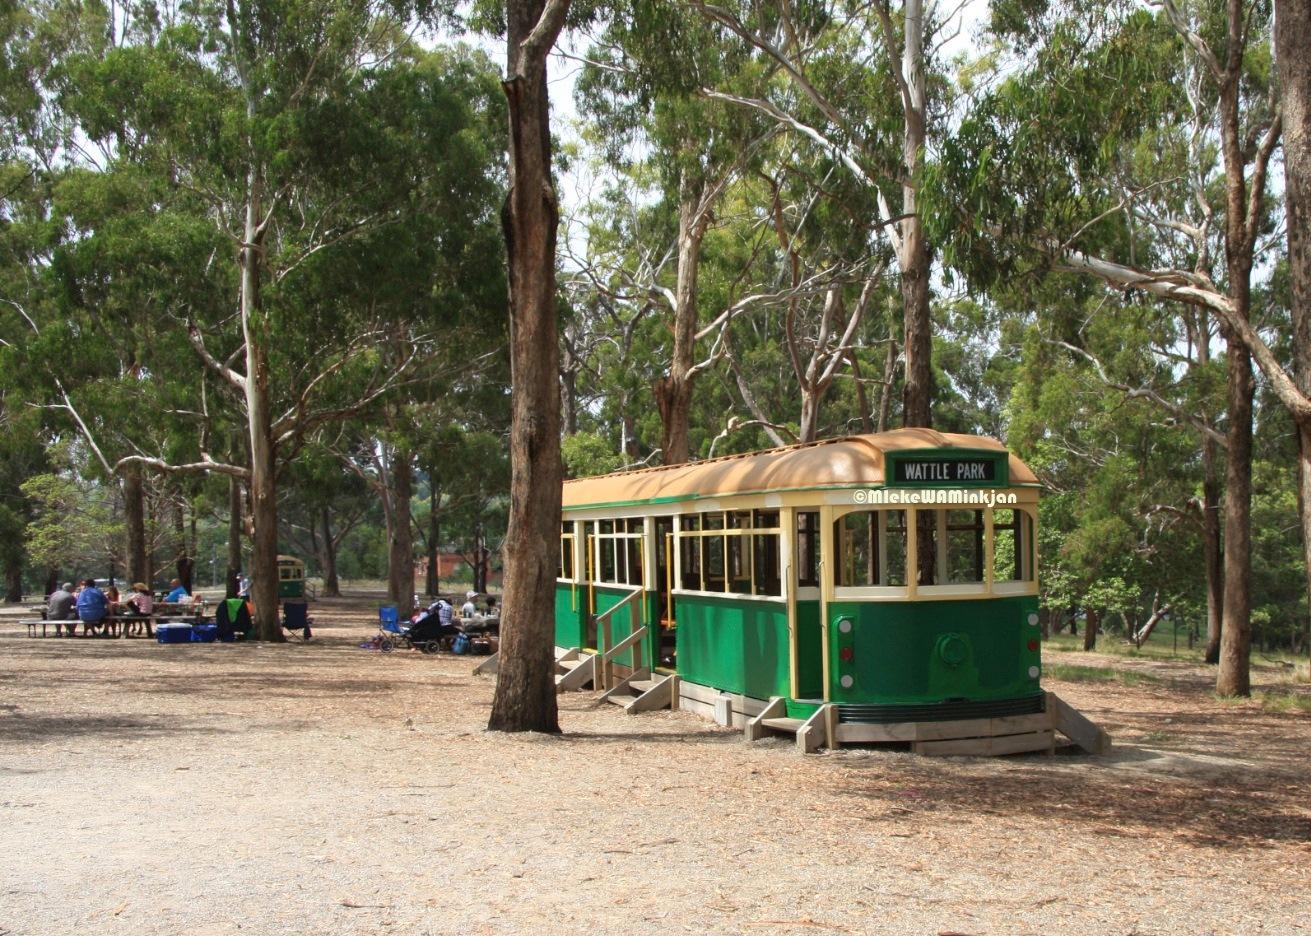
[(125, 625)]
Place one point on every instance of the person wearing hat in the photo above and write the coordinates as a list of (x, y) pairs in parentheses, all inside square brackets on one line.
[(468, 610), (140, 603)]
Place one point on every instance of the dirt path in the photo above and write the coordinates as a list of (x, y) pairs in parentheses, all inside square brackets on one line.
[(326, 789)]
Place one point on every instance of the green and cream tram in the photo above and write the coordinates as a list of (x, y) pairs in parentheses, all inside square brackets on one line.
[(889, 577)]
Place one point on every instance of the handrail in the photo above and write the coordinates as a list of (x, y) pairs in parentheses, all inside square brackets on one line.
[(605, 652)]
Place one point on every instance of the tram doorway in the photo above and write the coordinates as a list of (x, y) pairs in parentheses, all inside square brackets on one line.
[(667, 644)]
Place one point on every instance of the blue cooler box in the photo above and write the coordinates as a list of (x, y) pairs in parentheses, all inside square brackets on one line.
[(204, 633), (173, 633)]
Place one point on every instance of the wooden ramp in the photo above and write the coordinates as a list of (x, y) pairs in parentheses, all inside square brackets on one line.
[(642, 692)]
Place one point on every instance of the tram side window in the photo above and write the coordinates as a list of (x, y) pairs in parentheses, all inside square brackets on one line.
[(808, 549), (871, 548), (964, 546), (690, 548), (1012, 539), (767, 577), (566, 570), (633, 550), (605, 550)]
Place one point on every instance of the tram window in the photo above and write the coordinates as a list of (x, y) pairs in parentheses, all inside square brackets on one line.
[(926, 536), (871, 548), (606, 557), (894, 547), (690, 548), (808, 550), (765, 565), (634, 551), (713, 547), (566, 551), (964, 546), (1012, 539)]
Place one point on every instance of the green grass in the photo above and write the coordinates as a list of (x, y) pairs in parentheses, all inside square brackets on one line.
[(1283, 702), (1104, 674)]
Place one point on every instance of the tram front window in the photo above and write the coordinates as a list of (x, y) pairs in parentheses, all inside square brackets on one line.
[(871, 548)]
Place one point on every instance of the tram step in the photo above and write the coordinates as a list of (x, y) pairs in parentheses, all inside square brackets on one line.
[(620, 698), (790, 725), (571, 664)]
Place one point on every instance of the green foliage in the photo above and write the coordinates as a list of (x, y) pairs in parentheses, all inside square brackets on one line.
[(75, 523), (586, 454)]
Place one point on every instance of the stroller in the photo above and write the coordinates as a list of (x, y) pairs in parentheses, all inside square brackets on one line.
[(426, 634)]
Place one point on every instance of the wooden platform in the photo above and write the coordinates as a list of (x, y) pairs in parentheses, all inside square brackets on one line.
[(980, 737)]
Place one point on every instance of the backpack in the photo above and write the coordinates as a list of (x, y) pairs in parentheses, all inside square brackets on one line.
[(461, 644)]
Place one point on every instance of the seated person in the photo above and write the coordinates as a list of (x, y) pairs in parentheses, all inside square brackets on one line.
[(63, 604), (178, 593), (435, 623), (92, 606), (468, 609), (140, 603)]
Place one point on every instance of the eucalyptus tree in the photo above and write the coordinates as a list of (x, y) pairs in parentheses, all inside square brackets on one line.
[(866, 90), (642, 87), (1056, 167), (302, 132), (525, 691)]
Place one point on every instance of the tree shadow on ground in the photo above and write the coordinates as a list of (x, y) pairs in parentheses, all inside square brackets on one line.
[(19, 728), (1205, 805)]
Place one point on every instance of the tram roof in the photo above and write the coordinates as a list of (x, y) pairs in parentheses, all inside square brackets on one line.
[(850, 461)]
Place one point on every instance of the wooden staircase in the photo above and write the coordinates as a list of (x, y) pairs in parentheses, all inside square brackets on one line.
[(811, 733), (574, 669), (643, 692)]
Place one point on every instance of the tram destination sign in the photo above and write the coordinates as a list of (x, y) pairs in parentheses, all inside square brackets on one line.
[(945, 470)]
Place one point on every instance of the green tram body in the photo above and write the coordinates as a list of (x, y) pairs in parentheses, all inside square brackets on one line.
[(760, 583), (291, 577)]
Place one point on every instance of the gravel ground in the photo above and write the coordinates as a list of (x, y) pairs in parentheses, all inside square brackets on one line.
[(322, 788)]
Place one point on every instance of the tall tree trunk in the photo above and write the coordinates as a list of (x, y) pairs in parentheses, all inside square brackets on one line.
[(569, 399), (673, 392), (185, 564), (1293, 58), (525, 688), (134, 518), (52, 582), (1234, 677), (400, 535), (14, 581), (434, 532), (862, 401), (263, 481), (1092, 620), (810, 400), (328, 559), (885, 394), (482, 559), (235, 524), (917, 394)]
